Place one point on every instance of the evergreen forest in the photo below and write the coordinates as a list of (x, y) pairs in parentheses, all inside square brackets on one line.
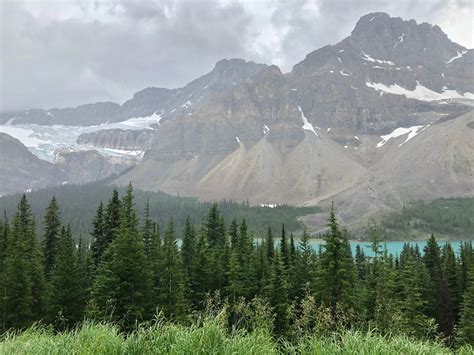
[(136, 285)]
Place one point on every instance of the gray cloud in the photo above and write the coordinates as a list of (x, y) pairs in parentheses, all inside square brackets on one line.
[(65, 53)]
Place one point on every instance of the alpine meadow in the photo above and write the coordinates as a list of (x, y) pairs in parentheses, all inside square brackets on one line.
[(316, 197)]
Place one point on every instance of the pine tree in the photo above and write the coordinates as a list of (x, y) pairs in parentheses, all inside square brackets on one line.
[(147, 229), (269, 245), (284, 249), (412, 303), (67, 300), (187, 248), (99, 243), (336, 279), (304, 267), (122, 285), (23, 294), (234, 234), (466, 323), (278, 296), (52, 230), (171, 274)]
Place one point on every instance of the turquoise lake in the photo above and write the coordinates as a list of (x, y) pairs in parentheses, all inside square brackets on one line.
[(393, 247)]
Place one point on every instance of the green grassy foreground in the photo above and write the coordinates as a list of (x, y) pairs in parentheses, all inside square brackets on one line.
[(208, 338)]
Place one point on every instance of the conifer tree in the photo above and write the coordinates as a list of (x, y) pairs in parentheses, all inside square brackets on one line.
[(284, 248), (278, 296), (99, 243), (466, 323), (123, 281), (336, 279), (147, 229), (234, 234), (52, 231), (304, 267), (269, 244), (171, 273), (67, 301), (188, 246), (23, 295)]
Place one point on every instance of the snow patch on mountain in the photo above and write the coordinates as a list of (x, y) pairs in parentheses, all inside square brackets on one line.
[(457, 56), (401, 131), (368, 58), (306, 125), (420, 92)]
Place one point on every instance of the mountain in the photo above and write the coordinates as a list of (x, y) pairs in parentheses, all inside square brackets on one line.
[(20, 169), (167, 103), (378, 119), (313, 133)]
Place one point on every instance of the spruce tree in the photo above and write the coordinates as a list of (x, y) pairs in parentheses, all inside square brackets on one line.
[(278, 296), (466, 323), (336, 273), (269, 244), (52, 231), (122, 286), (23, 294), (171, 273), (187, 248), (66, 303), (99, 243), (284, 248)]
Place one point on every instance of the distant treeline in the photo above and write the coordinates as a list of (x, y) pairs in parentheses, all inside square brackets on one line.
[(78, 204), (448, 217)]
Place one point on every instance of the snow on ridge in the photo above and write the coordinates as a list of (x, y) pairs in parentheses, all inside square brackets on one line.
[(238, 140), (187, 104), (265, 129), (306, 125), (400, 40), (401, 131), (343, 73), (420, 92), (457, 56), (368, 58)]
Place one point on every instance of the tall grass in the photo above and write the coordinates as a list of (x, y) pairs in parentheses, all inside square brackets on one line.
[(209, 337)]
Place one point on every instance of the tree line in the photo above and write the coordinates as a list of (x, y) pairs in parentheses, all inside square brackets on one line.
[(134, 271)]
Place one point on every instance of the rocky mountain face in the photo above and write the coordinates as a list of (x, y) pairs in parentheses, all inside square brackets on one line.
[(118, 139), (168, 103), (21, 170), (313, 133), (383, 117)]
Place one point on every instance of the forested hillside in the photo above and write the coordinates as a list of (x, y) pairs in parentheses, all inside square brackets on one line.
[(78, 204), (133, 275), (450, 218)]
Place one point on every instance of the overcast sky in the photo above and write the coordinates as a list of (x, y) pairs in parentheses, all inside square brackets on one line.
[(66, 53)]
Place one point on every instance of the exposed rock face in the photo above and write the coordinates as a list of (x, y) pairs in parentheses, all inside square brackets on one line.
[(88, 165), (169, 103), (20, 170), (312, 135), (118, 139)]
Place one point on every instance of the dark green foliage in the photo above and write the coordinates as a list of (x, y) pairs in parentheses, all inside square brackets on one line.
[(336, 274), (67, 300), (52, 230), (447, 217), (23, 286), (130, 273), (466, 324), (123, 283)]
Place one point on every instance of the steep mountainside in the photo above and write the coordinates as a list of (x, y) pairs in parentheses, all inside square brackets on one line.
[(165, 102), (20, 170), (315, 132)]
